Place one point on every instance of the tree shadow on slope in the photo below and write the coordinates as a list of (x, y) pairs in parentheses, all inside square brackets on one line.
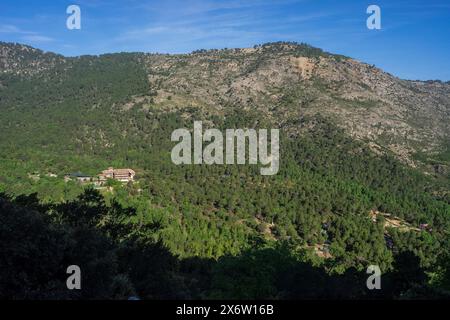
[(38, 243)]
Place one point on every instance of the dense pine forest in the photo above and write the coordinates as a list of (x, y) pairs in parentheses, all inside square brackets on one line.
[(202, 231)]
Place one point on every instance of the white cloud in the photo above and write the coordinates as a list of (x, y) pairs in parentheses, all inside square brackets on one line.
[(196, 22), (37, 38), (7, 28), (29, 36)]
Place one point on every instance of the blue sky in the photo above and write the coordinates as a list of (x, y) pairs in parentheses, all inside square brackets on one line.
[(413, 43)]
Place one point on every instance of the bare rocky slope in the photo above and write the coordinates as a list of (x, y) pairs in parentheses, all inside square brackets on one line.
[(287, 81)]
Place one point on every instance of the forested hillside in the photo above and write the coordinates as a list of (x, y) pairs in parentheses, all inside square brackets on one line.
[(221, 231)]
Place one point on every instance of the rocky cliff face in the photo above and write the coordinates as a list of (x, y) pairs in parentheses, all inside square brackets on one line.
[(288, 81), (24, 60)]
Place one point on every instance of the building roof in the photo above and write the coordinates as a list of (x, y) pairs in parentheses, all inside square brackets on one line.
[(118, 171), (78, 175)]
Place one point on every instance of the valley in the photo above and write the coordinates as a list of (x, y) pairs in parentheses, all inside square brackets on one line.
[(352, 140)]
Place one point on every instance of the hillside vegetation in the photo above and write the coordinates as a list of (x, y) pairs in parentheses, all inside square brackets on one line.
[(354, 140)]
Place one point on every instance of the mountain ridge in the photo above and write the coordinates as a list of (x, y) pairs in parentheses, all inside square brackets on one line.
[(28, 47), (283, 81)]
